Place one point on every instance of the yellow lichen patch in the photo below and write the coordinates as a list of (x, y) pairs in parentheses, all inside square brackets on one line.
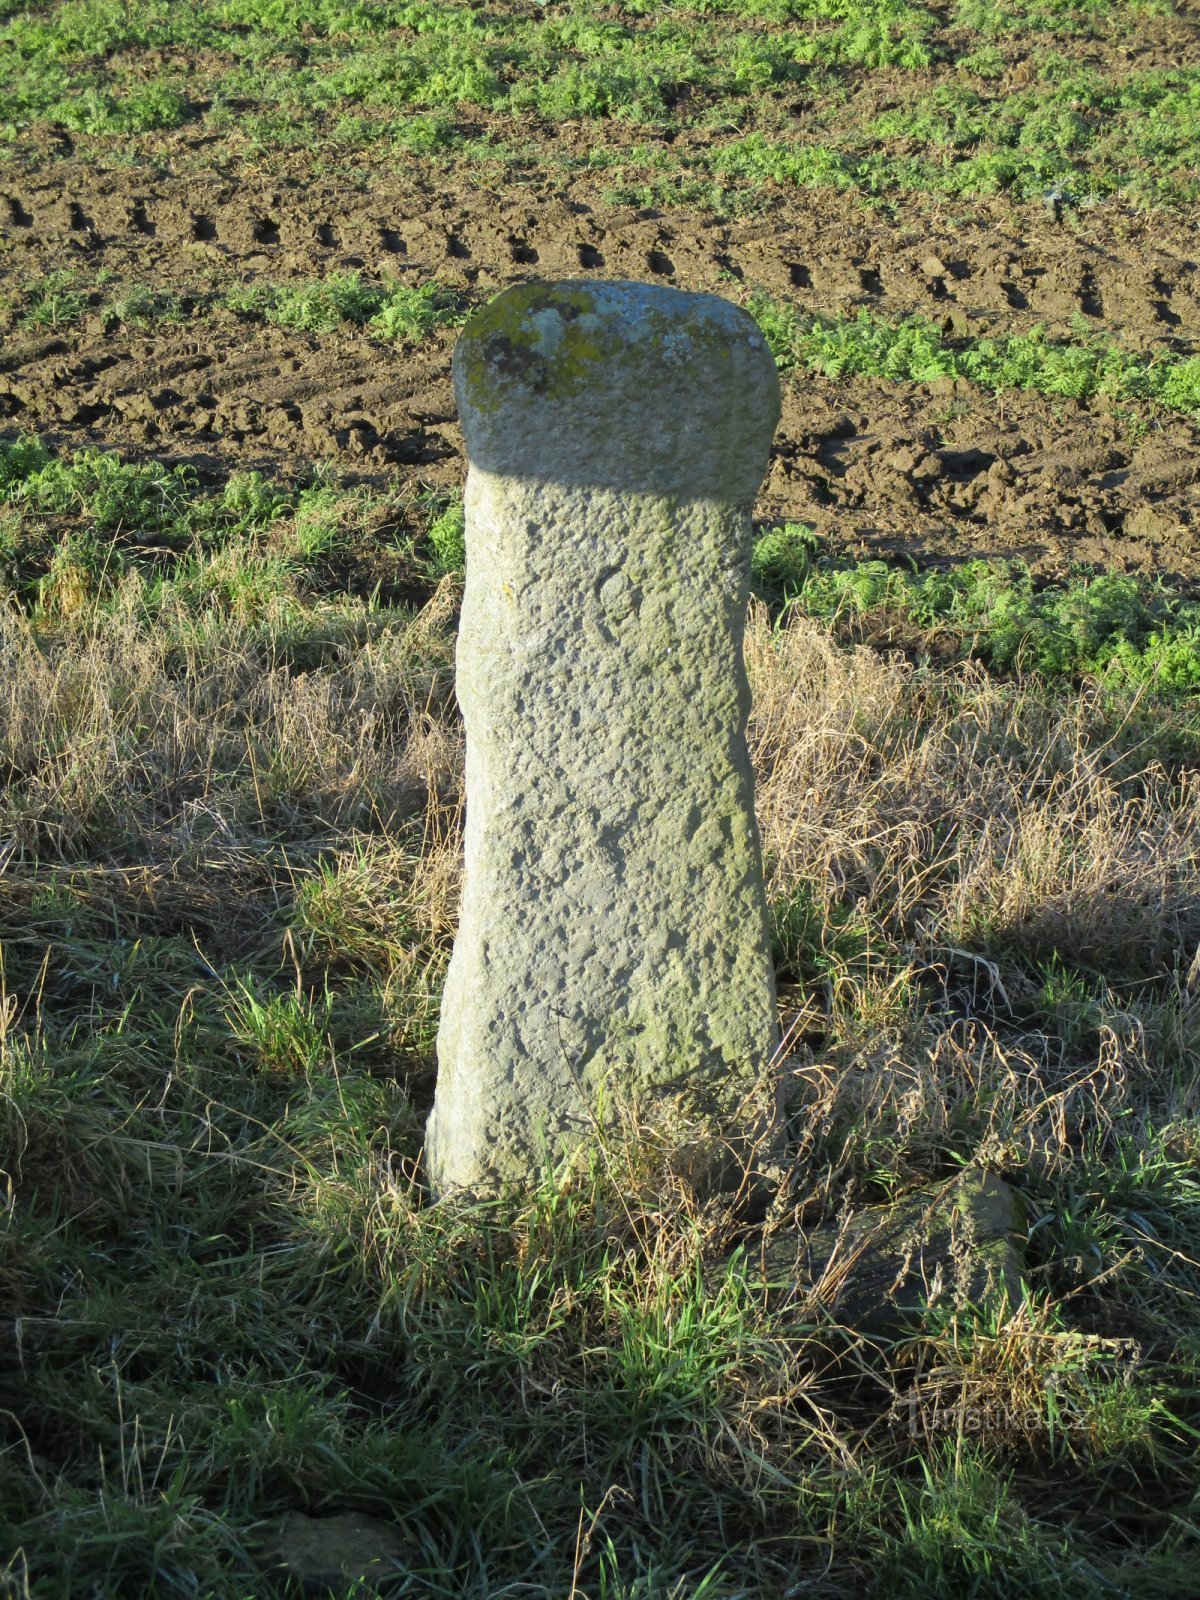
[(551, 339)]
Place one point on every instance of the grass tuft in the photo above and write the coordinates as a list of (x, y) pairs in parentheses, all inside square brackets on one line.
[(390, 310)]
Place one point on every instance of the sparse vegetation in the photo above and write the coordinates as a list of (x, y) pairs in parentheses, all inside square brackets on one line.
[(54, 302), (916, 351), (446, 533), (1107, 627), (142, 306), (388, 310)]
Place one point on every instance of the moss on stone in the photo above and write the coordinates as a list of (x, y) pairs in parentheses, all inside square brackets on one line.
[(551, 338), (942, 1248)]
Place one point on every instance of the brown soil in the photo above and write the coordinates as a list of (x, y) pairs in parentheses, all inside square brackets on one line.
[(950, 472)]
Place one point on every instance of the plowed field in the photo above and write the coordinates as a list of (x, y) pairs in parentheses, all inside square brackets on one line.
[(876, 466)]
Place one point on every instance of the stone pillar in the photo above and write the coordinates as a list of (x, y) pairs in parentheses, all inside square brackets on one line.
[(612, 965)]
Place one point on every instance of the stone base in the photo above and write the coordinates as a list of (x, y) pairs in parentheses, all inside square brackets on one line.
[(323, 1556), (884, 1269)]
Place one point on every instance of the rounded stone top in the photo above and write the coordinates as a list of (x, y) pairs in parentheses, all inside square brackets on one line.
[(623, 385)]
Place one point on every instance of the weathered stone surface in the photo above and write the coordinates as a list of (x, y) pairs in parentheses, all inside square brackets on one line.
[(612, 950), (944, 1247), (323, 1555)]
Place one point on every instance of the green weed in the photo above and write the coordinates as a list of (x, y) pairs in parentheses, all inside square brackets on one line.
[(916, 351), (157, 106), (316, 307), (142, 307), (651, 65), (1106, 625), (113, 494), (151, 538), (815, 166), (252, 502), (424, 135), (20, 459), (389, 310), (55, 302), (782, 559), (411, 314), (446, 533)]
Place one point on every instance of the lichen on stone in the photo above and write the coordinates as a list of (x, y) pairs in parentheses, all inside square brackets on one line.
[(553, 340)]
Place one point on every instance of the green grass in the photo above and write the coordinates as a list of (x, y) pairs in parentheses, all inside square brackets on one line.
[(92, 531), (231, 830), (55, 302), (447, 534), (916, 351), (62, 299), (407, 74), (1109, 627), (141, 307), (389, 310)]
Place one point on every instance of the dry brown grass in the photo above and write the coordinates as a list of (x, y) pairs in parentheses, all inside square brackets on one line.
[(955, 808), (162, 741)]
